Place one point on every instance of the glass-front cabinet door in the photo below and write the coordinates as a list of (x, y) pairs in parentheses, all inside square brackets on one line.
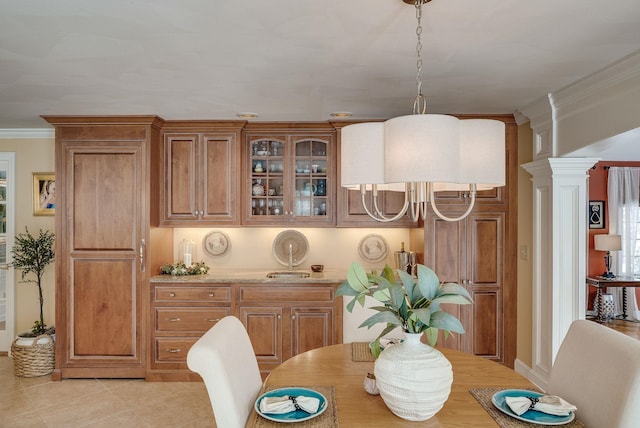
[(289, 180), (7, 161)]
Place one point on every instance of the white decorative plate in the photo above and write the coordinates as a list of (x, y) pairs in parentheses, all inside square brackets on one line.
[(373, 248), (299, 247), (216, 243)]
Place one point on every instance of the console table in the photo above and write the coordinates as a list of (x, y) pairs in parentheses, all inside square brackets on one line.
[(619, 281)]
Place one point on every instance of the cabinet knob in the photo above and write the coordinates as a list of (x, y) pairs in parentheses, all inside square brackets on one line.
[(174, 350), (279, 316), (173, 319), (293, 317)]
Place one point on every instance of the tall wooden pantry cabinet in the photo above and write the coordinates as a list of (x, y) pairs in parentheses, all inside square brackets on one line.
[(107, 179)]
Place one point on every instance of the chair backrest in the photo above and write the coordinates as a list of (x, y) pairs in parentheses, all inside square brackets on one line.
[(598, 370), (225, 360)]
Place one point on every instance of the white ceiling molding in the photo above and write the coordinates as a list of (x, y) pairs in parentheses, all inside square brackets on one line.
[(27, 133)]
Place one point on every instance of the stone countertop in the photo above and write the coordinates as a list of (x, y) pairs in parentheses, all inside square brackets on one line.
[(254, 277)]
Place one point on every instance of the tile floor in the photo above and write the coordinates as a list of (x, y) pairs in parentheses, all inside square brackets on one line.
[(123, 403)]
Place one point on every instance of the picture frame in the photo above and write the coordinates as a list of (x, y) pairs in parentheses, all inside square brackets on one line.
[(44, 193), (597, 215)]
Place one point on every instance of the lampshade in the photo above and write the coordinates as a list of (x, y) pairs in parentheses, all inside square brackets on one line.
[(422, 148), (607, 242), (482, 153), (362, 154)]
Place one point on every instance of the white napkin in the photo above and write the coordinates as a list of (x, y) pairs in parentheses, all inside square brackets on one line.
[(550, 404), (287, 403)]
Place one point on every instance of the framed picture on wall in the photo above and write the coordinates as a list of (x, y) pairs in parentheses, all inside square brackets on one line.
[(596, 215), (44, 193)]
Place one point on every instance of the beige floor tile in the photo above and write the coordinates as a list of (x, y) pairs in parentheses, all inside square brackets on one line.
[(14, 402), (55, 394), (26, 420), (123, 420), (83, 411)]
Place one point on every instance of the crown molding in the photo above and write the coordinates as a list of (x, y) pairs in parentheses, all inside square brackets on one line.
[(26, 133)]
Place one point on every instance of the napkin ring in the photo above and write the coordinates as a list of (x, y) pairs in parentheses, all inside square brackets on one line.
[(295, 403), (534, 401)]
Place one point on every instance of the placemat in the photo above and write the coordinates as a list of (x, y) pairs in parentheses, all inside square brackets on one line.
[(483, 395), (328, 419), (360, 351)]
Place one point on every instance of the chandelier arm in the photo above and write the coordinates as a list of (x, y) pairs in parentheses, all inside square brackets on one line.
[(379, 217), (464, 215)]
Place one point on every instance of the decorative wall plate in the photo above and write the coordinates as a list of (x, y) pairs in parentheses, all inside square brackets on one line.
[(216, 243), (299, 247), (373, 248)]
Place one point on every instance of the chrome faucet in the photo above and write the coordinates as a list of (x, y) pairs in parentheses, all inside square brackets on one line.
[(290, 257)]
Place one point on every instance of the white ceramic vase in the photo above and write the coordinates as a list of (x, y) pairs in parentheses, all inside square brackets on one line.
[(414, 379)]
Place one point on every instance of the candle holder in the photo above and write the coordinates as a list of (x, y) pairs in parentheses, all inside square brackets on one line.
[(187, 251)]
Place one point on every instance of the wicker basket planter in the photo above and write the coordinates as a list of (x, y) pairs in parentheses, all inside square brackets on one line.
[(33, 356)]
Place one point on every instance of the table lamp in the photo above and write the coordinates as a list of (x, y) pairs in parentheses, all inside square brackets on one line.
[(607, 243)]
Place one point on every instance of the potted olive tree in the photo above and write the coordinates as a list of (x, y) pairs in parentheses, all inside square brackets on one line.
[(33, 351)]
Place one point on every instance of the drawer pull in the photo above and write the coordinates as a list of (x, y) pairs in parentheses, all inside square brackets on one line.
[(174, 350), (211, 294), (172, 294), (212, 319), (173, 319)]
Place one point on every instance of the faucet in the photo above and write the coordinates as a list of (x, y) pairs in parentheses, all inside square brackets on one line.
[(290, 257)]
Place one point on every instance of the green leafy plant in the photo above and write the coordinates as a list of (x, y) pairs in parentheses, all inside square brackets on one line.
[(409, 303), (31, 255), (179, 269)]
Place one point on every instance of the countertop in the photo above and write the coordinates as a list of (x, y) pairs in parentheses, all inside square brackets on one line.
[(254, 276)]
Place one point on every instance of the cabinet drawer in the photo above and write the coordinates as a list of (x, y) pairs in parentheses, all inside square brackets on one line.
[(287, 294), (171, 349), (189, 319), (198, 294)]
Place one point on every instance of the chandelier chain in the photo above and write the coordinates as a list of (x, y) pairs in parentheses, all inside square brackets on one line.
[(420, 103)]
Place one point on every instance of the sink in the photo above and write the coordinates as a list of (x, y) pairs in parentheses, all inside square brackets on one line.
[(289, 274)]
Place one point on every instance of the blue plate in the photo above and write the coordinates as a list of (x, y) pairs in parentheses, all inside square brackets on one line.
[(297, 415), (532, 416)]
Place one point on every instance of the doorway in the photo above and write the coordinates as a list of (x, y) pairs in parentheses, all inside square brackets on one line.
[(7, 232)]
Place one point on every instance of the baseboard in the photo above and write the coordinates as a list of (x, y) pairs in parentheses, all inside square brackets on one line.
[(526, 371)]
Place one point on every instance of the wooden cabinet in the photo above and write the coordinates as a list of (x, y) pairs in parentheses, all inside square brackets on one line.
[(470, 252), (289, 176), (104, 249), (181, 313), (479, 253), (201, 174), (286, 320), (282, 320)]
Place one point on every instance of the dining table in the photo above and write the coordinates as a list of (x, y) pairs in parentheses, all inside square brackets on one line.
[(338, 371)]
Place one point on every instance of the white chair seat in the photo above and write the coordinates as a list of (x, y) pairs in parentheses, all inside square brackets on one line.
[(598, 370), (225, 360)]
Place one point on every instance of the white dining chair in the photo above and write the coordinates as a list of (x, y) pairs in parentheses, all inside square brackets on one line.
[(225, 360), (598, 370)]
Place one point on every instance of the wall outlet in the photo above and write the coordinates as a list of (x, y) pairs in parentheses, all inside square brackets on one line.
[(524, 252)]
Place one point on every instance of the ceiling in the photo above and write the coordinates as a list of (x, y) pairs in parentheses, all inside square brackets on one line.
[(297, 60)]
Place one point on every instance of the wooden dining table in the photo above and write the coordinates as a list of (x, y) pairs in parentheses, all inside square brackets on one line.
[(335, 366)]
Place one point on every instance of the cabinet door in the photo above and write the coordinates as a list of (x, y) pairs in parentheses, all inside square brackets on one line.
[(264, 326), (180, 178), (471, 252), (219, 179), (100, 290), (201, 179), (311, 327), (290, 179)]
